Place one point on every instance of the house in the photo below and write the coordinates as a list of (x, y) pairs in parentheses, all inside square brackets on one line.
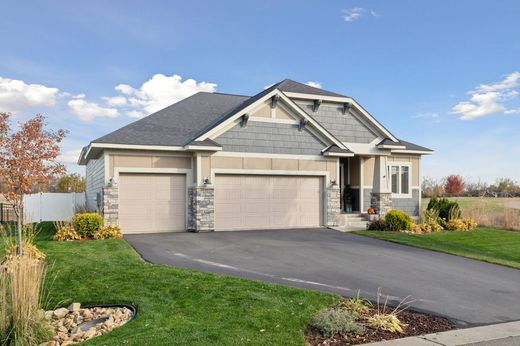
[(281, 158)]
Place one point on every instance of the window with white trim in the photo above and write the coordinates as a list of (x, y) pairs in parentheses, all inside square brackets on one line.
[(400, 179)]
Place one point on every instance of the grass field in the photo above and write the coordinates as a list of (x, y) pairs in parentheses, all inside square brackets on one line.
[(175, 306), (501, 213), (486, 244)]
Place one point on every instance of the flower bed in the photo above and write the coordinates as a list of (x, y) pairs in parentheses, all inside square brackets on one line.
[(416, 324), (358, 321)]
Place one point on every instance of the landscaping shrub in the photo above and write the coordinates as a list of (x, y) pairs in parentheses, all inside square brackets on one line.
[(460, 225), (66, 233), (447, 209), (377, 225), (108, 232), (87, 224), (397, 220), (337, 320)]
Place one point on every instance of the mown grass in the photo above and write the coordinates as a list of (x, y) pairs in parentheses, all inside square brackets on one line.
[(175, 306), (486, 244)]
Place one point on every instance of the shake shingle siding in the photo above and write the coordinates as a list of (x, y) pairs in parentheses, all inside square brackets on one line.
[(271, 138), (344, 127)]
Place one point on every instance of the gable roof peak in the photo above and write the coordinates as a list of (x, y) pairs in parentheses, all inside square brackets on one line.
[(289, 85)]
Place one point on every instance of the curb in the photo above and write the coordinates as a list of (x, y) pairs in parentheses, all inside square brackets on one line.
[(502, 334)]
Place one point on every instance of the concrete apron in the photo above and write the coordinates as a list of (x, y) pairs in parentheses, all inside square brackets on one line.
[(502, 334)]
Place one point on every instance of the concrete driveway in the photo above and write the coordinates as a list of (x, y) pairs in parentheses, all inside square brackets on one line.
[(467, 291)]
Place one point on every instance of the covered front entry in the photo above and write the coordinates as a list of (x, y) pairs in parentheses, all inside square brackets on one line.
[(151, 203), (245, 202), (349, 182)]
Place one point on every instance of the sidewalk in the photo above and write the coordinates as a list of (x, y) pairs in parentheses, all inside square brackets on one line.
[(503, 334)]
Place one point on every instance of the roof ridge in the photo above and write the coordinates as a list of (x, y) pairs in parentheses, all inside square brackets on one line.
[(220, 93)]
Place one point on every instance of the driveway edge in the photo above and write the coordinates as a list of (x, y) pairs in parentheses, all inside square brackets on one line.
[(501, 334)]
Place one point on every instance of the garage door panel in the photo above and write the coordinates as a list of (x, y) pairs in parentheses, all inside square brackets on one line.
[(152, 203), (256, 202)]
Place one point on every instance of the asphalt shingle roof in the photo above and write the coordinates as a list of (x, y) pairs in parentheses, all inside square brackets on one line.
[(289, 85), (178, 124), (182, 122)]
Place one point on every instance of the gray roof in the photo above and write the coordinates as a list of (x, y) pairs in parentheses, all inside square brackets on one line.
[(411, 146), (184, 121), (335, 149), (289, 85), (178, 124), (407, 145)]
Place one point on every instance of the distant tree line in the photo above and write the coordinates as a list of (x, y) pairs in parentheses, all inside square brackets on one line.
[(66, 183), (455, 185)]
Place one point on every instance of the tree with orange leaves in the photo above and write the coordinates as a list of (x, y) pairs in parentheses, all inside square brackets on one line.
[(28, 158)]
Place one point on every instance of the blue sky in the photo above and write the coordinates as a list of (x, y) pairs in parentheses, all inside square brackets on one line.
[(417, 66)]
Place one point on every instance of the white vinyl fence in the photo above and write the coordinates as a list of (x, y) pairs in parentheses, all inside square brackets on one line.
[(52, 206)]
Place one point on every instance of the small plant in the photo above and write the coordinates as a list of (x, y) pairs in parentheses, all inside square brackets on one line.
[(359, 305), (397, 220), (87, 224), (331, 321), (108, 232), (460, 225), (67, 234), (377, 225), (387, 319), (65, 231)]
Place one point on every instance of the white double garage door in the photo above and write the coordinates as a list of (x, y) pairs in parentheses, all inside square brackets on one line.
[(151, 203)]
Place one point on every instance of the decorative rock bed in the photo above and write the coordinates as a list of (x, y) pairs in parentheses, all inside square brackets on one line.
[(75, 324)]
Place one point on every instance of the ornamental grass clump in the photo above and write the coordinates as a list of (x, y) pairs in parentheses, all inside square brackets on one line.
[(21, 283), (386, 319), (357, 304)]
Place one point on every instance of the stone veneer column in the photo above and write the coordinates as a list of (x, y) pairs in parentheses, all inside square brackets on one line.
[(201, 209), (381, 202), (110, 208), (333, 205)]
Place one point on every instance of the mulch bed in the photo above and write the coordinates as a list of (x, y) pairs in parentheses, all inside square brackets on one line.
[(417, 324)]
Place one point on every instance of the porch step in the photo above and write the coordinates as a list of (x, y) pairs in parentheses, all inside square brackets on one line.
[(354, 221)]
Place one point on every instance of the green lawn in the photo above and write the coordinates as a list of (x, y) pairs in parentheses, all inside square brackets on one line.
[(176, 306), (486, 244)]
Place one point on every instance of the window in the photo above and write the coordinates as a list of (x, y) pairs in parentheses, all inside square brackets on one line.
[(400, 179)]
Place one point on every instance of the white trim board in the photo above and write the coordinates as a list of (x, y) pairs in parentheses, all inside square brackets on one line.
[(270, 156)]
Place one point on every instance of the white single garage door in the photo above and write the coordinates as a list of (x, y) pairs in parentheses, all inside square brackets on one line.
[(259, 202), (151, 203)]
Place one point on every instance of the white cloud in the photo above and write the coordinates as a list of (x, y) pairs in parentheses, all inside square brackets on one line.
[(115, 101), (157, 93), (314, 84), (17, 96), (88, 111), (356, 13), (489, 99)]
